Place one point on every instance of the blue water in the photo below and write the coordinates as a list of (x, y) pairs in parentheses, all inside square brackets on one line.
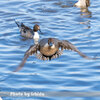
[(59, 19)]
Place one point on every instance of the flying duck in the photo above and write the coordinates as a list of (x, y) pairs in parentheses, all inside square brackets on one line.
[(49, 48), (28, 32), (82, 3)]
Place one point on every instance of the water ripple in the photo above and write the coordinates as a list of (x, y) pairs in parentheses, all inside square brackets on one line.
[(58, 19)]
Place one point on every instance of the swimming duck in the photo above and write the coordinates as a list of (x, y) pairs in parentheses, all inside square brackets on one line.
[(28, 32), (49, 48), (82, 3)]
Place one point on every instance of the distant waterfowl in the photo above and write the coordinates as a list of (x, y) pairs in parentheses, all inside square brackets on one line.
[(1, 98), (82, 3), (28, 32), (49, 48)]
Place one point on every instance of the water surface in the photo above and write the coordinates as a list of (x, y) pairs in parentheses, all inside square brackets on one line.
[(59, 19)]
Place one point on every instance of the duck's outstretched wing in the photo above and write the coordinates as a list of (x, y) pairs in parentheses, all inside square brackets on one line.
[(67, 45), (29, 52)]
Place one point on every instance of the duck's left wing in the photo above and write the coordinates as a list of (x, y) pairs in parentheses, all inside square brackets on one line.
[(29, 52), (67, 45)]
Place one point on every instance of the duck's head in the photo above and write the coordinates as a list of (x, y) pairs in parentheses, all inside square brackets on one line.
[(51, 43), (36, 28)]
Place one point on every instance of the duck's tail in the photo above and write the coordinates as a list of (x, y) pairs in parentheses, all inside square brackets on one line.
[(18, 23)]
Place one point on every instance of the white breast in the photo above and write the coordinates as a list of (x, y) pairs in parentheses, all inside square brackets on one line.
[(36, 37), (81, 3), (46, 45), (53, 46)]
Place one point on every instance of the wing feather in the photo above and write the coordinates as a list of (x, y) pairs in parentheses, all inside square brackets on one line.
[(29, 52), (67, 45)]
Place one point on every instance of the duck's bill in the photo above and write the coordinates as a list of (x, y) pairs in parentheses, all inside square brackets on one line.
[(39, 30)]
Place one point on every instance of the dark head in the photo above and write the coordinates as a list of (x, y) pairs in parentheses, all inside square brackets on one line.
[(36, 28), (87, 3)]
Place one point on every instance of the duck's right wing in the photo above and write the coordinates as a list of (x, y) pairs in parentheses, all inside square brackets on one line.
[(67, 45), (29, 52)]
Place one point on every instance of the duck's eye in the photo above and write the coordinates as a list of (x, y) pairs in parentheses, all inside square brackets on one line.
[(24, 31)]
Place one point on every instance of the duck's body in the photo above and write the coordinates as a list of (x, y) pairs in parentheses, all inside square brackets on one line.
[(25, 30), (45, 49), (28, 32), (49, 48), (82, 3)]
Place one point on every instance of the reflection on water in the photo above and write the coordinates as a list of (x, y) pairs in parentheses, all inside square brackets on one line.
[(87, 23), (59, 19), (85, 12)]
